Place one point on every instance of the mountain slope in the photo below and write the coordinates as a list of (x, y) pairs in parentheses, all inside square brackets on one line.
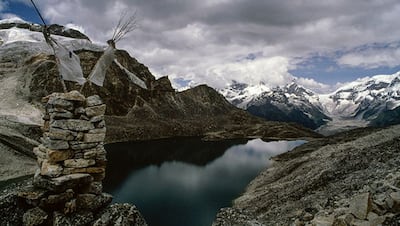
[(366, 98)]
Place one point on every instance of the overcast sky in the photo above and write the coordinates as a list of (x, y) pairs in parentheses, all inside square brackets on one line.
[(318, 43)]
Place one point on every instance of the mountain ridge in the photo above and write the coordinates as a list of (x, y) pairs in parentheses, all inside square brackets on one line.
[(28, 72), (366, 101)]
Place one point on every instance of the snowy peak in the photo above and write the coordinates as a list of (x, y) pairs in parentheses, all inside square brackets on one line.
[(374, 100), (240, 94), (291, 103), (366, 97), (54, 29)]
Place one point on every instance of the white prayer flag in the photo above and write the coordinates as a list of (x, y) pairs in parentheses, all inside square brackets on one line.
[(136, 80), (99, 71), (69, 65)]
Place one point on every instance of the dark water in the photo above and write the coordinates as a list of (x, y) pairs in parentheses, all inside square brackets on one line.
[(185, 181)]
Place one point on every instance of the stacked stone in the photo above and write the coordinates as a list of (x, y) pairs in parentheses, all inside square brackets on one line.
[(71, 158)]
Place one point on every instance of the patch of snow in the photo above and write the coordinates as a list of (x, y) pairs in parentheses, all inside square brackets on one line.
[(13, 20)]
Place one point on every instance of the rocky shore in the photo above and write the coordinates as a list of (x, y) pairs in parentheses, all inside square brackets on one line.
[(352, 178)]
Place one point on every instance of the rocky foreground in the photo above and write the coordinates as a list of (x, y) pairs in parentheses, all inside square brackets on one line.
[(67, 187), (352, 178)]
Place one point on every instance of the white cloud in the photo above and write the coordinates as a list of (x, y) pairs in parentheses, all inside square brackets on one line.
[(201, 41), (314, 85), (272, 71), (371, 58)]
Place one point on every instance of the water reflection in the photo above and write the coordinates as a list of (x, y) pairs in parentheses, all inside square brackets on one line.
[(191, 180)]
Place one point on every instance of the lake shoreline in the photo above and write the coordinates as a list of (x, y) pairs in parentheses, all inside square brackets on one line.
[(303, 185)]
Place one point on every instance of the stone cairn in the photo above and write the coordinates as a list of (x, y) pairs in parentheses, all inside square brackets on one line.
[(72, 162)]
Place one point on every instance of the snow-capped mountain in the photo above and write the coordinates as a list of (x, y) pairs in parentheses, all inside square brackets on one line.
[(291, 103), (373, 99), (370, 100)]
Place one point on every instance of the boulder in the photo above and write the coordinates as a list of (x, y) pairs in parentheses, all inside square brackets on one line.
[(375, 219), (81, 218), (323, 220), (120, 214), (395, 197), (35, 216), (92, 201), (361, 205)]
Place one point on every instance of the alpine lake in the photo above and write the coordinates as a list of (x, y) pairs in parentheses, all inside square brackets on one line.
[(185, 181)]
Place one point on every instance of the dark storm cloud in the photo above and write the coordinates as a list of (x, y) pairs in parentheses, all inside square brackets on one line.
[(197, 40)]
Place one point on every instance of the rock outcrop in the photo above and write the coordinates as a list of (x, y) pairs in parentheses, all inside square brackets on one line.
[(67, 187)]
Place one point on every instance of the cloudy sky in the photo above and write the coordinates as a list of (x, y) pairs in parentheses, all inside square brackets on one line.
[(317, 43)]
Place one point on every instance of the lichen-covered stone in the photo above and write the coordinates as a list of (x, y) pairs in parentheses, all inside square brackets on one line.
[(80, 218), (70, 206), (92, 201), (55, 156), (94, 137), (97, 118), (95, 188), (78, 145), (125, 214), (93, 101), (361, 205), (73, 124), (98, 130), (61, 103), (61, 115), (55, 144), (35, 216), (96, 110), (61, 134), (395, 197), (56, 201), (50, 169), (73, 95), (62, 183), (90, 170), (32, 197), (39, 153), (79, 163)]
